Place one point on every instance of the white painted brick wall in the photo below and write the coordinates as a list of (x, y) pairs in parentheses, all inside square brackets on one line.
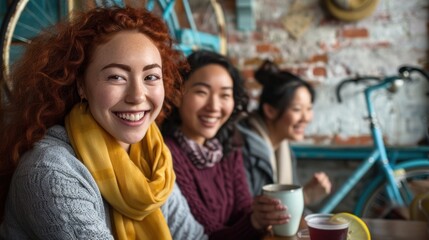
[(398, 34)]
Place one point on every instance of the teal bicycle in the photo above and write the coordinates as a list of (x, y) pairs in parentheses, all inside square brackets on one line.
[(396, 182), (193, 24)]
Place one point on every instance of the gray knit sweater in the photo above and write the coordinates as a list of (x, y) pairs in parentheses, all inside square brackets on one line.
[(53, 196)]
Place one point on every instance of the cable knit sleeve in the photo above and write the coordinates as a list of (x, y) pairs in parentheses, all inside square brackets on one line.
[(53, 196), (218, 196), (181, 222)]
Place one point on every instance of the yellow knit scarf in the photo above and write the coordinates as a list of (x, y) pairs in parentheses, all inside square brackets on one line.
[(135, 185)]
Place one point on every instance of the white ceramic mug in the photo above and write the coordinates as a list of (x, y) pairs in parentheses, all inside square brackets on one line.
[(292, 197)]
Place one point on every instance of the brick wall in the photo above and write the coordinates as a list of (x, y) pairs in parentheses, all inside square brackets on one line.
[(327, 50)]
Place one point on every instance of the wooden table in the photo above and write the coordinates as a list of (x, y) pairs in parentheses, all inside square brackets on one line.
[(382, 229)]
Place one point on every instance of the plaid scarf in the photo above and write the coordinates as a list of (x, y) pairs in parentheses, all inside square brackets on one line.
[(202, 156)]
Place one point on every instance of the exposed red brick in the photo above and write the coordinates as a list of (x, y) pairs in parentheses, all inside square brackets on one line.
[(354, 33), (263, 48), (276, 50), (353, 140), (247, 73), (319, 71), (252, 61), (319, 58)]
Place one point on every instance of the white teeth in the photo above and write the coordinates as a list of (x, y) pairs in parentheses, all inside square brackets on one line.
[(130, 116), (210, 120)]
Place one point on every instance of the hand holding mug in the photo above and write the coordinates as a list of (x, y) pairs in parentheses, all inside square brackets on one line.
[(292, 197), (268, 211)]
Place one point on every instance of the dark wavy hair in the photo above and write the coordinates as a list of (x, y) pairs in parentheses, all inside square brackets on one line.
[(279, 87), (45, 78), (226, 134)]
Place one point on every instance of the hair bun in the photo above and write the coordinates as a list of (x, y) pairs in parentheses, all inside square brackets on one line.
[(265, 72)]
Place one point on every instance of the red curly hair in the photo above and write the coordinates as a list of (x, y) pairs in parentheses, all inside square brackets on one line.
[(45, 79)]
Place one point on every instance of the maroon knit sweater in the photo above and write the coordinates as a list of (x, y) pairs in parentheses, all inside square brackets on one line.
[(218, 196)]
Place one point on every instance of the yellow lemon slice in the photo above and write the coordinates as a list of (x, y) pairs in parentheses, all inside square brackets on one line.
[(357, 227)]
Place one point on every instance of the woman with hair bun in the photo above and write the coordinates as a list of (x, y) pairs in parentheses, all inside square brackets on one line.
[(285, 109)]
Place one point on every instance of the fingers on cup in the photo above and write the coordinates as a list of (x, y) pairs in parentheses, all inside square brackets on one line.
[(274, 218)]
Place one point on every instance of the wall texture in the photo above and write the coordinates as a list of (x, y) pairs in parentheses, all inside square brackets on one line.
[(324, 50)]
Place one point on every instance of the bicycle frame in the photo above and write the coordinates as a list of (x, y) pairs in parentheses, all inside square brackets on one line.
[(349, 184), (188, 39), (392, 189), (378, 155)]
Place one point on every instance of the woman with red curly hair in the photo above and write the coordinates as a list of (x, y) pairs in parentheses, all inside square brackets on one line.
[(83, 156)]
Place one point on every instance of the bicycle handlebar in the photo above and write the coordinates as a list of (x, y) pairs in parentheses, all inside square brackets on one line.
[(404, 74), (356, 81)]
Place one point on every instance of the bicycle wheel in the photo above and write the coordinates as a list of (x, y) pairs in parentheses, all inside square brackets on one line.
[(26, 18), (209, 19), (411, 181), (193, 24)]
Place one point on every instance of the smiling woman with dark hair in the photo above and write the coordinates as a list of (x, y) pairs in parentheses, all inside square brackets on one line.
[(285, 110), (207, 160)]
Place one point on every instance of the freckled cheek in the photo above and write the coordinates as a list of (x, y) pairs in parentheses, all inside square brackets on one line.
[(107, 99)]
